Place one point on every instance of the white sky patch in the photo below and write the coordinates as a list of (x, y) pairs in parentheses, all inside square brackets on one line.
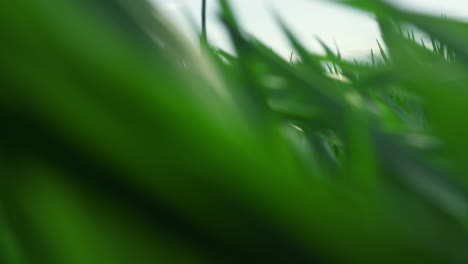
[(170, 5)]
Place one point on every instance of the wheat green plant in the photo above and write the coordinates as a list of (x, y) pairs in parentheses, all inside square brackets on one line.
[(122, 144)]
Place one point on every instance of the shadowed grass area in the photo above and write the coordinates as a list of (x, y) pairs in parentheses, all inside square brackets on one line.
[(122, 144)]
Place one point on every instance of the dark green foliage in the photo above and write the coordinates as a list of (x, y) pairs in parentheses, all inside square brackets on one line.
[(121, 144)]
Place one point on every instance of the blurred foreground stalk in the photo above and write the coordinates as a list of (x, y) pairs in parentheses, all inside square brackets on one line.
[(203, 21)]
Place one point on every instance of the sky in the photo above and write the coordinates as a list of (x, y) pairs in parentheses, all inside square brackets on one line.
[(354, 32)]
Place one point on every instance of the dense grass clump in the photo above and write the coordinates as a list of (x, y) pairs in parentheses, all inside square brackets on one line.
[(121, 144)]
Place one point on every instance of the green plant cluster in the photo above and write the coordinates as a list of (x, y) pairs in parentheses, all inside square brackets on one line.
[(120, 143)]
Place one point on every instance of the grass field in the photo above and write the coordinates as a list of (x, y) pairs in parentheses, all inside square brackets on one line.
[(121, 143)]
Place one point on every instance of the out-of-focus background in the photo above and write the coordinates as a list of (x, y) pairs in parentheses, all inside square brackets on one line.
[(353, 31)]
